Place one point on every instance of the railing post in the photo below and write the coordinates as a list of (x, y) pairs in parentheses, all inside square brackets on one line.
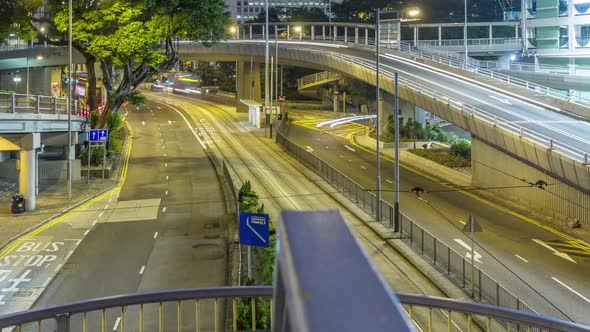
[(434, 245), (312, 32), (250, 31), (55, 105), (586, 159), (356, 35), (38, 106), (448, 261), (366, 36), (323, 32), (551, 144), (497, 294), (13, 102), (335, 33), (63, 323), (463, 272), (345, 34)]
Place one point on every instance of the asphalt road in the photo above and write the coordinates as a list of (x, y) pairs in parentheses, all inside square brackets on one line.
[(166, 228), (553, 285), (506, 108)]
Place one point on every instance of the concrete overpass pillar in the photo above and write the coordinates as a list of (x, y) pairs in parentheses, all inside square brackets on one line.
[(366, 36), (356, 35), (248, 83), (345, 34), (415, 36), (440, 35), (324, 32), (490, 34), (26, 178), (312, 32)]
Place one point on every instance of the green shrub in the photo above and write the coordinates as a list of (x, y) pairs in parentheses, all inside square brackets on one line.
[(95, 158), (442, 157), (461, 147)]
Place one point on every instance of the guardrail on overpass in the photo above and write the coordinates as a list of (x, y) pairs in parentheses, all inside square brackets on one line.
[(21, 103), (305, 296)]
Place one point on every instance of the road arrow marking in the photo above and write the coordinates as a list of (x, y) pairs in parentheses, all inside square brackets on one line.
[(253, 230), (560, 254), (308, 148), (143, 123), (522, 259), (468, 254), (349, 148)]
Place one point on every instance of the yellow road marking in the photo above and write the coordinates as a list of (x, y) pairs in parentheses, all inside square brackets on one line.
[(59, 219), (480, 199)]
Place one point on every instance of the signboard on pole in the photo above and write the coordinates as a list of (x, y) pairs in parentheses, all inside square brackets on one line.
[(99, 135), (254, 229)]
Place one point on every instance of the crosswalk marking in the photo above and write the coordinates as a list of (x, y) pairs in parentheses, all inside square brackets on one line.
[(571, 247)]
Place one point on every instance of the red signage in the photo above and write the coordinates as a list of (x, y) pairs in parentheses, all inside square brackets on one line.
[(281, 98), (335, 92)]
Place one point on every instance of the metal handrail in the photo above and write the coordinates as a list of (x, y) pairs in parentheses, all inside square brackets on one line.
[(176, 295), (23, 103)]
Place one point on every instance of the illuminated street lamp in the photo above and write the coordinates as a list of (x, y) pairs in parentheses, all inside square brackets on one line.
[(298, 30), (16, 80), (413, 12)]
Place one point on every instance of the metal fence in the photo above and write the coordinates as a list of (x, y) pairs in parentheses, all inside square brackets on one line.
[(436, 252), (21, 103)]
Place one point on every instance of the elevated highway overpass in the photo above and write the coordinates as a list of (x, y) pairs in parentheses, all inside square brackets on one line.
[(527, 127)]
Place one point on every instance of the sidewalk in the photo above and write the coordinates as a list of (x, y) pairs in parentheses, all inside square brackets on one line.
[(51, 202)]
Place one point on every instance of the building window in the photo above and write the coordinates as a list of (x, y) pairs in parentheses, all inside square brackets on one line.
[(582, 35)]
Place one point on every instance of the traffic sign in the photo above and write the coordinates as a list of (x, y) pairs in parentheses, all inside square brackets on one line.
[(335, 92), (99, 135), (281, 98), (254, 229)]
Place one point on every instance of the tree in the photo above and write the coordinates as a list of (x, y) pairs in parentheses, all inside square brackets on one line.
[(135, 37), (305, 14)]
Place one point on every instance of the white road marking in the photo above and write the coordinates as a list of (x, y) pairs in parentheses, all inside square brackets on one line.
[(143, 123), (341, 156), (1, 297), (555, 251), (155, 235), (117, 323), (522, 259), (164, 209), (308, 148), (158, 107), (137, 108), (86, 233), (468, 254), (363, 167), (163, 147), (58, 267), (501, 100), (165, 164), (142, 269), (106, 206), (100, 214), (46, 282), (164, 155), (462, 222), (110, 199), (349, 148), (166, 192), (94, 223), (389, 181), (571, 289), (161, 140), (169, 122), (327, 146), (166, 177)]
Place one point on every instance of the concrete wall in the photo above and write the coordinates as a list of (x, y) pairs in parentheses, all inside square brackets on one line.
[(492, 168)]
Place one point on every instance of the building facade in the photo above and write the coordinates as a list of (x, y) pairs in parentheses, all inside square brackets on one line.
[(246, 10), (557, 31)]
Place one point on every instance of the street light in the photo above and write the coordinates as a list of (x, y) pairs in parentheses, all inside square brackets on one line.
[(465, 35), (413, 12), (69, 105), (16, 80), (38, 58)]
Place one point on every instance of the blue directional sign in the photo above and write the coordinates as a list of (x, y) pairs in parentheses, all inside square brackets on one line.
[(254, 229), (99, 135)]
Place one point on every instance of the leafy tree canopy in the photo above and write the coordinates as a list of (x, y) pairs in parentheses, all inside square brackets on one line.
[(133, 36)]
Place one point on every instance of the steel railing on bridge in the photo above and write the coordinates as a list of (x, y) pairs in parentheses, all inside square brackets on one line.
[(21, 103)]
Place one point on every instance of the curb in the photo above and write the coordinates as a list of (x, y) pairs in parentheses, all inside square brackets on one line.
[(71, 207)]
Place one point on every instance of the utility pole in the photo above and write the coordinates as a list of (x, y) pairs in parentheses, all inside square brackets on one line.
[(377, 130), (465, 35), (396, 217), (69, 106), (266, 61)]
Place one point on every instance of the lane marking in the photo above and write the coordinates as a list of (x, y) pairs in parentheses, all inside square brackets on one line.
[(117, 323), (164, 209), (100, 214), (522, 259), (58, 267), (462, 222), (501, 100), (468, 254), (169, 121), (110, 199), (349, 148), (166, 177), (165, 164), (106, 206), (158, 107), (86, 233), (142, 269), (166, 193), (341, 156), (137, 108), (389, 181), (46, 282), (363, 167), (164, 155), (94, 223), (155, 235), (555, 251), (163, 147), (308, 148), (143, 123), (571, 289)]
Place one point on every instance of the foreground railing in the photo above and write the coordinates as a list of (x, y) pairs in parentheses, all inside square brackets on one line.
[(21, 103), (454, 265)]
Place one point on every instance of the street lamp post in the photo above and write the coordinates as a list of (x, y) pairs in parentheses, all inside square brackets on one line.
[(16, 80), (266, 60), (69, 106), (465, 35), (377, 129)]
